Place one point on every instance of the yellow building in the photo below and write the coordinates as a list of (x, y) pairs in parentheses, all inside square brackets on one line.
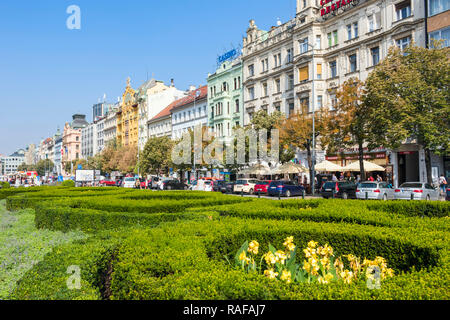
[(128, 118)]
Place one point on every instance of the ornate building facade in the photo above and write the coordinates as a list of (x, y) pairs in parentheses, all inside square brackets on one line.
[(128, 118)]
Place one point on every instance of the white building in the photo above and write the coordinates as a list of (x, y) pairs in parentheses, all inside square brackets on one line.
[(161, 124), (190, 111), (10, 164), (110, 126), (100, 133), (304, 61), (153, 96), (88, 141)]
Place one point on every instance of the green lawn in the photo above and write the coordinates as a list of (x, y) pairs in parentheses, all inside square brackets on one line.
[(22, 245)]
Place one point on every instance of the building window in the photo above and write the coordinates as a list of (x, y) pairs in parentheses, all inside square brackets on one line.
[(375, 53), (319, 71), (371, 23), (403, 42), (437, 6), (349, 31), (333, 69), (319, 102), (443, 34), (289, 55), (228, 107), (278, 85), (335, 37), (290, 82), (304, 4), (251, 93), (239, 82), (304, 74), (264, 89), (352, 61), (403, 10), (303, 45), (330, 40), (355, 30), (265, 64), (304, 102), (277, 60), (277, 107), (251, 70), (291, 108), (333, 100), (237, 105), (318, 42)]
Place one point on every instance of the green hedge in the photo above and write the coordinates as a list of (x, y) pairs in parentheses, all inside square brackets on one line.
[(4, 185), (413, 208), (68, 183)]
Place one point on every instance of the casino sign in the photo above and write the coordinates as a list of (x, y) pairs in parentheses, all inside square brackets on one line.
[(333, 7)]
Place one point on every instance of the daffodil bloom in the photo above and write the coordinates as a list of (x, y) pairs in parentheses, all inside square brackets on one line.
[(270, 258), (307, 266), (286, 276), (325, 262), (243, 257), (347, 276), (280, 256), (288, 241), (270, 274), (253, 247), (312, 244), (290, 247)]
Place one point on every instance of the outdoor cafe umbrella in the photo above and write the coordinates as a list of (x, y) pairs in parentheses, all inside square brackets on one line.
[(368, 167), (290, 168), (257, 169), (327, 166)]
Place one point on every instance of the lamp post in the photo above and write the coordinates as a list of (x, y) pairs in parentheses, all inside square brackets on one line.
[(313, 184)]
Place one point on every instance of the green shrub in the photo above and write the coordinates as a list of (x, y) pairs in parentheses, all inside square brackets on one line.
[(4, 185), (413, 208), (68, 183)]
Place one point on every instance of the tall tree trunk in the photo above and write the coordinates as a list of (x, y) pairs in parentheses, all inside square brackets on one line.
[(428, 165), (361, 161)]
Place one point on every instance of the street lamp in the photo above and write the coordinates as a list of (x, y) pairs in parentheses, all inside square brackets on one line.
[(313, 184)]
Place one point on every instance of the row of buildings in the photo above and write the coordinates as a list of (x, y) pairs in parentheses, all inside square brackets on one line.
[(300, 62)]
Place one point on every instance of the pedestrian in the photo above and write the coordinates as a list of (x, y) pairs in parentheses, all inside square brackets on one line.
[(379, 179), (334, 178), (443, 183), (371, 179)]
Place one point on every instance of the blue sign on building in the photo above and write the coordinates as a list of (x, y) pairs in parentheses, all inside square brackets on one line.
[(230, 55)]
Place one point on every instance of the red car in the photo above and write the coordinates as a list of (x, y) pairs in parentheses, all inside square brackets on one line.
[(262, 186), (108, 183)]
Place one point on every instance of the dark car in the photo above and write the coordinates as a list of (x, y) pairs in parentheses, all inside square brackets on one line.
[(220, 186), (119, 182), (230, 186), (340, 189), (285, 188), (174, 185)]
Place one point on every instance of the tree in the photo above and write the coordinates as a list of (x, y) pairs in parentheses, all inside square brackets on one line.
[(26, 167), (126, 159), (44, 166), (156, 155), (408, 96), (348, 125), (296, 132), (263, 120)]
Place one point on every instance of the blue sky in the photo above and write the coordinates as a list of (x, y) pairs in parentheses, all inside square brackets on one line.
[(48, 72)]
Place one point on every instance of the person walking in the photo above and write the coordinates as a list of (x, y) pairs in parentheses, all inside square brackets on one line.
[(443, 183), (379, 179), (371, 179)]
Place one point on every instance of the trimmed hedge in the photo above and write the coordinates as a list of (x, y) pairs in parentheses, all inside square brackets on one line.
[(413, 208), (176, 244), (68, 183)]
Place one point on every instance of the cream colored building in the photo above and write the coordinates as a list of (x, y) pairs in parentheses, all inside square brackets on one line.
[(304, 61)]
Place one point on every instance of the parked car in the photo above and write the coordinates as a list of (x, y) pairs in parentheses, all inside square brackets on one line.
[(119, 183), (245, 185), (416, 191), (174, 185), (208, 186), (129, 182), (220, 186), (230, 186), (107, 183), (375, 191), (262, 186), (285, 188), (341, 189)]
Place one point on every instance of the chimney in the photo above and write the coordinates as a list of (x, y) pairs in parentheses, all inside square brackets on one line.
[(172, 84)]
